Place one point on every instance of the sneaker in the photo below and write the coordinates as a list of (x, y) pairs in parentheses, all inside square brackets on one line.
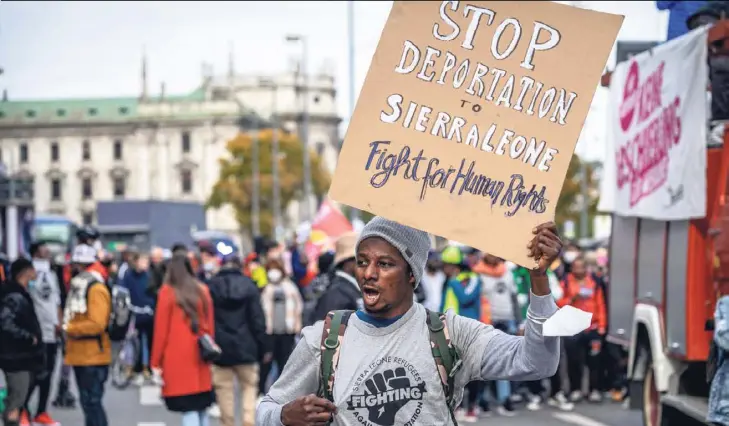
[(470, 417), (617, 395), (24, 419), (561, 402), (534, 404), (214, 411), (138, 380), (516, 398), (505, 411), (460, 414), (44, 419), (595, 396), (576, 396)]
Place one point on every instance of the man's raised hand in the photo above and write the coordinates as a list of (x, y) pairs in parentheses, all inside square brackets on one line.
[(546, 246)]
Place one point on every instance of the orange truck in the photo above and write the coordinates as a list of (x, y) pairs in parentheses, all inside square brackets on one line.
[(661, 300)]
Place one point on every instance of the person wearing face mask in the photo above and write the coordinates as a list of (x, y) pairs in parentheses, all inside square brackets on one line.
[(283, 310), (564, 266), (21, 340), (46, 295), (209, 262)]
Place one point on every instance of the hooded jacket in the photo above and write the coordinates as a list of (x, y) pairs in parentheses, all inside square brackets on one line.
[(240, 325), (19, 328)]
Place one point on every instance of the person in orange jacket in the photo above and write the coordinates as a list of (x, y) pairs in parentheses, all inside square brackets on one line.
[(85, 321), (583, 292)]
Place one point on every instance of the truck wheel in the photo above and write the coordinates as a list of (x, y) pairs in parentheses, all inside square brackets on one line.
[(651, 399)]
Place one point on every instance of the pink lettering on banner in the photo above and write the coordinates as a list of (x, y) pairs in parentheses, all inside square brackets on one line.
[(642, 162)]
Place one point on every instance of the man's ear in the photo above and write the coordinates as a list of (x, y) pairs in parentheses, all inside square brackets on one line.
[(412, 279)]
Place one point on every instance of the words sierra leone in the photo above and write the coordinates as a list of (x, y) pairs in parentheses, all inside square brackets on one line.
[(481, 84)]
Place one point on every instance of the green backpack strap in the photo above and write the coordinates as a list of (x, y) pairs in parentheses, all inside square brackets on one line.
[(446, 357), (335, 324)]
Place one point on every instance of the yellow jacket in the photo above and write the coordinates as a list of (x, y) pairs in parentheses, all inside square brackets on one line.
[(82, 349)]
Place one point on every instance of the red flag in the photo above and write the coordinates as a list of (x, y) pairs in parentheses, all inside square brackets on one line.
[(330, 220)]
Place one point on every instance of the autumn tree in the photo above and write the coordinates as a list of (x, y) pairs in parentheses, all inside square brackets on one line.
[(235, 183), (570, 204)]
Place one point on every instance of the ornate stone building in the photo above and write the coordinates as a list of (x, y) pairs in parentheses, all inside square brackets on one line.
[(161, 146)]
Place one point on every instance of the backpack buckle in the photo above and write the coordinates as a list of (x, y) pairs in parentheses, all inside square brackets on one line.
[(330, 345), (456, 367)]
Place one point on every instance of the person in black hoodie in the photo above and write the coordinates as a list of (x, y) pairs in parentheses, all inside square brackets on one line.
[(21, 340), (343, 292), (240, 331)]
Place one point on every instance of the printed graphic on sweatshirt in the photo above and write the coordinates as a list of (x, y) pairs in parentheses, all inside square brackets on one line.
[(385, 388)]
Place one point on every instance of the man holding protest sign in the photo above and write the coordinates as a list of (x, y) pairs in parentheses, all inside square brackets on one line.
[(464, 129), (384, 364)]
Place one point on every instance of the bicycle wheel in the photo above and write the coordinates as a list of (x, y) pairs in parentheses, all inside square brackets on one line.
[(123, 365)]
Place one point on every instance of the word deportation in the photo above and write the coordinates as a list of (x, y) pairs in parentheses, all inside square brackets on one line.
[(530, 97), (455, 180)]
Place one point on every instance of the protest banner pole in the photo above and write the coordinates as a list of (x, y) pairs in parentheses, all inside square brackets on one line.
[(256, 204)]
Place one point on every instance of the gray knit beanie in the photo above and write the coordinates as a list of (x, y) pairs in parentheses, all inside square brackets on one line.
[(413, 244)]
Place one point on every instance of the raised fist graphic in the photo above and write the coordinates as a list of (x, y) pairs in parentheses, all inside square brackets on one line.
[(383, 412)]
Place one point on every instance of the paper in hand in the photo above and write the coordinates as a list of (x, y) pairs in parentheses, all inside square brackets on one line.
[(567, 321)]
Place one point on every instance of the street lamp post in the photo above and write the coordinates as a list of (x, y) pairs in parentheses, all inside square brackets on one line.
[(304, 132), (277, 223), (256, 204), (350, 27)]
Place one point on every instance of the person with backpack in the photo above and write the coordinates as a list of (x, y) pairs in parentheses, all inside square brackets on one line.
[(86, 320), (21, 340), (394, 362)]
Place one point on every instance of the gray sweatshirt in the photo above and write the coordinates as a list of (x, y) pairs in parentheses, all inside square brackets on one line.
[(387, 377)]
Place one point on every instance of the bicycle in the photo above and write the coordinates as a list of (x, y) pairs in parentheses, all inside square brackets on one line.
[(123, 365)]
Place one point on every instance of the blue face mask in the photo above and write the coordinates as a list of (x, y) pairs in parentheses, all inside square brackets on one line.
[(31, 283)]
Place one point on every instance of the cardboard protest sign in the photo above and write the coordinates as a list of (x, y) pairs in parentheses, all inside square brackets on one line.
[(469, 115)]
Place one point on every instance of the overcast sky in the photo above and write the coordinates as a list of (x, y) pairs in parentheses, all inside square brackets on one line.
[(94, 49)]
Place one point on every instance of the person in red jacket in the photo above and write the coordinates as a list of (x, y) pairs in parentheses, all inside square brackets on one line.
[(583, 292), (187, 379)]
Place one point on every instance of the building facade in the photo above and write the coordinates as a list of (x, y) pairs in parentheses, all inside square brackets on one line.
[(161, 147)]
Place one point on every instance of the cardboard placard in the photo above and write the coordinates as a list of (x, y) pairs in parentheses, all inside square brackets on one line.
[(469, 115)]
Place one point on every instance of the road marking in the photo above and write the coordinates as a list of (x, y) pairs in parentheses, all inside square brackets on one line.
[(150, 395), (151, 424), (577, 419)]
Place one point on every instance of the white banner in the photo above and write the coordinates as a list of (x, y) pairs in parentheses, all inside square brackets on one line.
[(655, 165)]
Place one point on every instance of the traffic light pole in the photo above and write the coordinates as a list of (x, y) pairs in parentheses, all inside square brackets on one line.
[(11, 214)]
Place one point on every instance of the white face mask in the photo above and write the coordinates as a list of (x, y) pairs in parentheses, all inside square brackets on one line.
[(570, 256), (275, 275)]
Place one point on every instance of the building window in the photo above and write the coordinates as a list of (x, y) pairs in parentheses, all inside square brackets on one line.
[(23, 153), (120, 187), (87, 191), (55, 155), (56, 189), (86, 151), (186, 142), (186, 181), (87, 218), (118, 152)]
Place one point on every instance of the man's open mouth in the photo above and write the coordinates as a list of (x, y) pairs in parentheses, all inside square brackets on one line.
[(370, 295)]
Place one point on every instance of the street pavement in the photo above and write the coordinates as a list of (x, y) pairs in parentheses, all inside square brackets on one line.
[(141, 406)]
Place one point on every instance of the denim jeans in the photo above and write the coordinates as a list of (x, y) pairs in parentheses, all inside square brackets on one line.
[(195, 418), (90, 381)]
